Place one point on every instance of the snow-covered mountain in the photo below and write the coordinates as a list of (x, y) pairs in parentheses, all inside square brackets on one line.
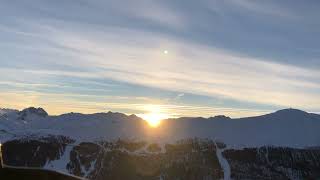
[(288, 127), (280, 145)]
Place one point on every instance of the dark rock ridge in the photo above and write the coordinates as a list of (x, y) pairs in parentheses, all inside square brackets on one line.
[(28, 174), (220, 117), (185, 159), (274, 163), (32, 110), (34, 152), (121, 159)]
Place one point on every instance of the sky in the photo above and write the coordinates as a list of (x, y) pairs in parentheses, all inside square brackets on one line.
[(179, 57)]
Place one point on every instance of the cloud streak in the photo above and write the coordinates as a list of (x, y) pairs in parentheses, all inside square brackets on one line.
[(91, 46)]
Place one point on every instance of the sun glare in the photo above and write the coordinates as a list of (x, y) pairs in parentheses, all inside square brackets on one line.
[(153, 120), (154, 115)]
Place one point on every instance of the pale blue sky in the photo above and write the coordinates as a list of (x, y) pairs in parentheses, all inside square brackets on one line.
[(236, 57)]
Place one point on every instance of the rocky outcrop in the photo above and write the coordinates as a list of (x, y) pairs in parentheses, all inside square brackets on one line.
[(32, 111), (34, 152), (184, 159), (274, 163)]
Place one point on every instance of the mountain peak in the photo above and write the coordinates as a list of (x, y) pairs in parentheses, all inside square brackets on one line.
[(118, 115), (5, 111), (290, 111), (32, 110), (221, 117)]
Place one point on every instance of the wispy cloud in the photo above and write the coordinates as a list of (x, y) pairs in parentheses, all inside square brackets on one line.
[(138, 58), (265, 7), (179, 96), (62, 103), (110, 41)]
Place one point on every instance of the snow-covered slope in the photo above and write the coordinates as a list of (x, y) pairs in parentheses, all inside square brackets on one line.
[(288, 127), (114, 145)]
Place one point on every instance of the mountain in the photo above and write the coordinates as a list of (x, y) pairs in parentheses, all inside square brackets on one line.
[(288, 127), (280, 145)]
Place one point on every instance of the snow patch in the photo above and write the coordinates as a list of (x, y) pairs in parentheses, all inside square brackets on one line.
[(223, 163), (61, 163)]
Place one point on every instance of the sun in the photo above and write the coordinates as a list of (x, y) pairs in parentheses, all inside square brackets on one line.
[(154, 115), (153, 119)]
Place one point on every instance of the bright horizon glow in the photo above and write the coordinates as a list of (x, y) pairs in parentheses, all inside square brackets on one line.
[(154, 116), (154, 119)]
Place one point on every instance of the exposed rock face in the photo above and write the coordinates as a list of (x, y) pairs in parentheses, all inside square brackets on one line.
[(274, 163), (188, 159), (185, 159), (34, 152), (32, 111), (84, 158), (220, 117)]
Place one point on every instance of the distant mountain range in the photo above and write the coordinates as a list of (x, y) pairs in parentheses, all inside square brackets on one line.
[(280, 145), (288, 127)]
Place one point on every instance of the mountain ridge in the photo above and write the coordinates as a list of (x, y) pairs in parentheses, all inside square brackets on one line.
[(279, 145), (42, 110), (289, 127)]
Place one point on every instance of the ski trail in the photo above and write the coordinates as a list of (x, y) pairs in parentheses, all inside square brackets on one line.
[(223, 163)]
